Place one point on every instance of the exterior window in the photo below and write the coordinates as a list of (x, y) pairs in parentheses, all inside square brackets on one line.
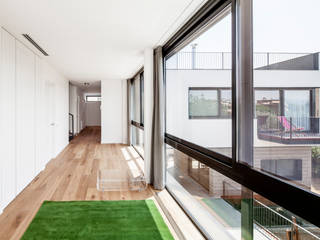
[(290, 169), (225, 103), (137, 113), (203, 103), (206, 103), (220, 160), (95, 98), (297, 108), (267, 108), (267, 102)]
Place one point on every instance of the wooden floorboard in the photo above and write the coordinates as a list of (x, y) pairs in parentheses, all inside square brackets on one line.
[(71, 176)]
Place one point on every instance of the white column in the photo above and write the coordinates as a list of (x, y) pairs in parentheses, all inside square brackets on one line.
[(148, 109), (111, 111)]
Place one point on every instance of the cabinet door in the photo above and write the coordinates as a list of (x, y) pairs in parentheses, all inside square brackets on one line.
[(7, 120), (25, 115)]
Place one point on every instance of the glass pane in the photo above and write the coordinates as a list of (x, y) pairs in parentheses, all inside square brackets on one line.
[(137, 140), (225, 103), (93, 98), (213, 200), (203, 103), (135, 100), (297, 108), (286, 46), (198, 89)]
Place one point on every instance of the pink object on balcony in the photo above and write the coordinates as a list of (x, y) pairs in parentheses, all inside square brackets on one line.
[(286, 124)]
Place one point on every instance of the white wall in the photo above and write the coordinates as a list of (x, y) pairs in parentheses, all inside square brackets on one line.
[(113, 126), (93, 114), (30, 91)]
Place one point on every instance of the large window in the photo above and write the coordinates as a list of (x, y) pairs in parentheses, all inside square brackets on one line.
[(243, 119), (288, 115), (198, 114), (137, 113), (198, 103)]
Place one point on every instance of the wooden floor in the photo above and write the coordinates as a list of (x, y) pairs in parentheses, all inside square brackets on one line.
[(71, 176)]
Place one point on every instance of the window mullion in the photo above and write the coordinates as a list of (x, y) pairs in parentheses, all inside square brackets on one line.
[(245, 96)]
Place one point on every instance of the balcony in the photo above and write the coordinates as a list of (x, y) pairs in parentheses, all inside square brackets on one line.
[(289, 130)]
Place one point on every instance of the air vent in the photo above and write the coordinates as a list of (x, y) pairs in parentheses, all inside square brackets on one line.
[(35, 44)]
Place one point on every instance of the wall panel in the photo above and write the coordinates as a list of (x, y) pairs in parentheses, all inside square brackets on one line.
[(25, 113), (7, 120)]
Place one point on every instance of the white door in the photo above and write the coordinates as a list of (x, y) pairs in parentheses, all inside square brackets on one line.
[(25, 115), (50, 119)]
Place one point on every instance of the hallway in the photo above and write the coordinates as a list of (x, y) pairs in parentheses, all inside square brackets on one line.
[(71, 176)]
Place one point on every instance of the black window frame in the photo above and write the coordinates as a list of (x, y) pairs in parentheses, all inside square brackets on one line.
[(139, 124), (141, 98), (273, 188)]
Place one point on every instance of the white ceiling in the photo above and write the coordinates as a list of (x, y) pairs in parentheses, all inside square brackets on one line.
[(90, 40)]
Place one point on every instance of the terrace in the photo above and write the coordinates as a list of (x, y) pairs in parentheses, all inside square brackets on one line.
[(289, 130)]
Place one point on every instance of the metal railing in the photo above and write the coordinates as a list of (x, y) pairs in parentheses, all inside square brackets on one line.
[(289, 128), (272, 221), (71, 126), (279, 225), (223, 60)]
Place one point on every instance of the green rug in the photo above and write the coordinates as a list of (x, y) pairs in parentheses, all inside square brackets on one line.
[(98, 220)]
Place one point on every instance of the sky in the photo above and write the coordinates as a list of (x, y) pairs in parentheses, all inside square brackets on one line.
[(279, 26)]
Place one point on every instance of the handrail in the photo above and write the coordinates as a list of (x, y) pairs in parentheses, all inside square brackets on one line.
[(72, 124), (286, 219), (222, 60), (138, 125)]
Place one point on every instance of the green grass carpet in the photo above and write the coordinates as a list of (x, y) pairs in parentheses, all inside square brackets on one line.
[(98, 220)]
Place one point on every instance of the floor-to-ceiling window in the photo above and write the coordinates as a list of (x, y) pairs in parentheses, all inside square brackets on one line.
[(242, 119), (137, 113)]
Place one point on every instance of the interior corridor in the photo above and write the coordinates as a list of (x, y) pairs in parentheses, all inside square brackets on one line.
[(72, 175)]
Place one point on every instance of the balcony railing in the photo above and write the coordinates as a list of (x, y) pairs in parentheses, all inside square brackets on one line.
[(223, 60), (281, 226), (271, 220), (289, 130)]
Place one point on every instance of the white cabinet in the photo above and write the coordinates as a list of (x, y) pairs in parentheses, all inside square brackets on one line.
[(7, 119), (33, 116), (25, 116)]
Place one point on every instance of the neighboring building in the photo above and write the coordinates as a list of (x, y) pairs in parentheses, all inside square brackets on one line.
[(286, 123)]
